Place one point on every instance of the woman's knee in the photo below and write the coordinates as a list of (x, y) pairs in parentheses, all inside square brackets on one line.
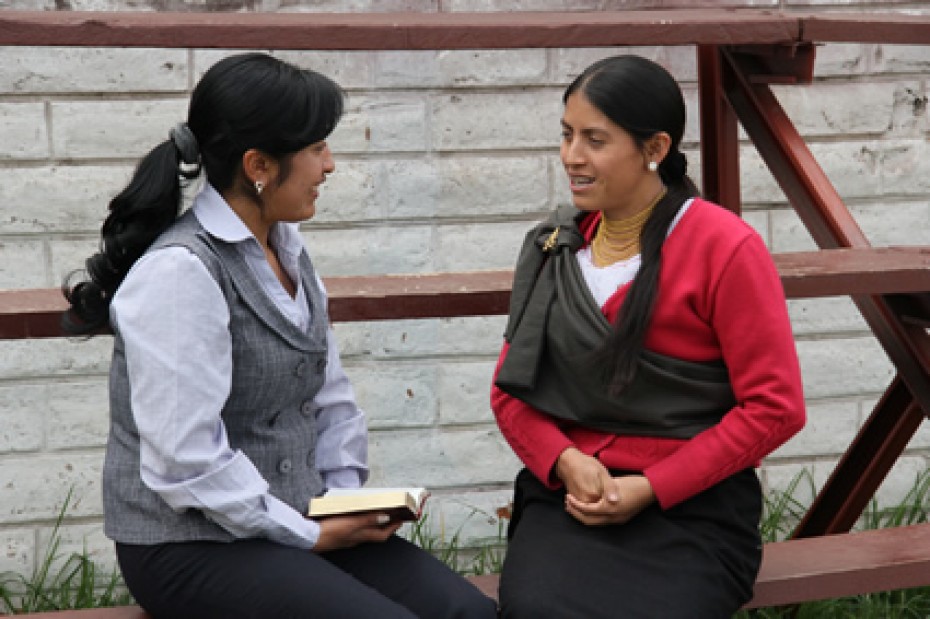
[(528, 605), (476, 607), (461, 602)]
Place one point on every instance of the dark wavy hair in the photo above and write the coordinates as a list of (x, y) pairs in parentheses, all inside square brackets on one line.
[(244, 101), (643, 99)]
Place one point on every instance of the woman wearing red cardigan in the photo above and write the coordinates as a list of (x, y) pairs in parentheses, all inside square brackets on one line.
[(649, 365)]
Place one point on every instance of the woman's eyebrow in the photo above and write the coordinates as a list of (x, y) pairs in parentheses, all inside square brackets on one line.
[(585, 130)]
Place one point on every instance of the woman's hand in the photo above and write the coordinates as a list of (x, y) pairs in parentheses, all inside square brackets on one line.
[(338, 532), (584, 477), (632, 493)]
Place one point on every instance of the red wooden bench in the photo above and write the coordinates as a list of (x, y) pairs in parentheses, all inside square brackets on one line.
[(740, 52), (900, 272), (793, 571), (800, 570)]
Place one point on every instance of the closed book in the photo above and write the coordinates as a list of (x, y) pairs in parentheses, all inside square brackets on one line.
[(398, 503)]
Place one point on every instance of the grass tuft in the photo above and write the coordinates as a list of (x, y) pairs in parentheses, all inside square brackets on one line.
[(75, 581), (487, 557), (61, 583), (782, 512)]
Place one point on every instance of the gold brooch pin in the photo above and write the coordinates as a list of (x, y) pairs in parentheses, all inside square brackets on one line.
[(550, 242)]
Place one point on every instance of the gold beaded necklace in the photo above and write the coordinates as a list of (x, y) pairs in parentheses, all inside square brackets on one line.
[(618, 240)]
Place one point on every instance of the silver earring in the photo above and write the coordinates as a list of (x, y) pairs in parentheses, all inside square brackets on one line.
[(653, 166), (259, 187)]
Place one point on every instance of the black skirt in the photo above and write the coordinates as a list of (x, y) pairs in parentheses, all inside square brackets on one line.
[(697, 560)]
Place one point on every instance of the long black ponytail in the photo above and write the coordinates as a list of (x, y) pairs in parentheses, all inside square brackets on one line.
[(244, 101), (642, 98)]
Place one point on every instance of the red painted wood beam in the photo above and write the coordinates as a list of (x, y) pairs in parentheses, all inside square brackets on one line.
[(832, 226), (855, 271), (719, 133), (367, 31), (830, 567), (402, 31), (898, 28), (399, 297), (116, 612), (879, 443), (900, 271), (823, 212), (37, 313), (787, 156)]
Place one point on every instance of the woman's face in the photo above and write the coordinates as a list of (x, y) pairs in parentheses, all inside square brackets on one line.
[(294, 198), (607, 170)]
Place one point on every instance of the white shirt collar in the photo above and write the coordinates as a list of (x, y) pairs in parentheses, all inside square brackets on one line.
[(220, 221)]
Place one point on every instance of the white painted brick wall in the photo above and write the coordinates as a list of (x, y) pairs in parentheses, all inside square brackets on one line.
[(22, 419), (23, 127), (17, 550), (444, 159), (41, 482), (86, 70), (58, 199), (112, 129)]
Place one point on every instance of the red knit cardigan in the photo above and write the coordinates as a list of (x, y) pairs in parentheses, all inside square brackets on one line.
[(720, 297)]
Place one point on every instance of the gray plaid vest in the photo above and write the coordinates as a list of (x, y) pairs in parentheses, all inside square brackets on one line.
[(277, 370)]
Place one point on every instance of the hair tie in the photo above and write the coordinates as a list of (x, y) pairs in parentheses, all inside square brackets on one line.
[(186, 143)]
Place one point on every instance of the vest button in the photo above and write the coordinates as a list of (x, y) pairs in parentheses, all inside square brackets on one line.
[(306, 409), (311, 460), (320, 366), (301, 369), (285, 466)]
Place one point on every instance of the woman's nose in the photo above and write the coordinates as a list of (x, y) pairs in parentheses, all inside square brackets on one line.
[(570, 152)]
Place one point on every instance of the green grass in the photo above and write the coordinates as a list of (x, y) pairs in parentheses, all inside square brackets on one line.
[(783, 510), (60, 582), (484, 557)]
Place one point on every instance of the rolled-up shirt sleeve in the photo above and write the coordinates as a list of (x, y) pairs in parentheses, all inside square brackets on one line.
[(174, 321)]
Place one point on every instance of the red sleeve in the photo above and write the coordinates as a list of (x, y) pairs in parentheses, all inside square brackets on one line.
[(749, 316), (535, 437)]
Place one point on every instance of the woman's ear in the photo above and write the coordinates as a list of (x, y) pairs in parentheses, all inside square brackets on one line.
[(657, 147), (258, 167)]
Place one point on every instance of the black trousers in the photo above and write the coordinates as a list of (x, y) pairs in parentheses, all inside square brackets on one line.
[(697, 560), (259, 579)]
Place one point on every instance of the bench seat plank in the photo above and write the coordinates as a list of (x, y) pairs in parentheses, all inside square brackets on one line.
[(402, 31), (792, 572), (118, 612), (456, 30), (832, 566), (846, 564), (851, 271), (901, 271)]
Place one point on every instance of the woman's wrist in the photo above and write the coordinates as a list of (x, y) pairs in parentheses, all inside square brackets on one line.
[(564, 461)]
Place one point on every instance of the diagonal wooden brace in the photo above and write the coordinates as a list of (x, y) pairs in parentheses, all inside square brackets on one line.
[(891, 425)]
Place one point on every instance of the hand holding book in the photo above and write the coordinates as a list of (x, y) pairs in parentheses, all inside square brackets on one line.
[(400, 504)]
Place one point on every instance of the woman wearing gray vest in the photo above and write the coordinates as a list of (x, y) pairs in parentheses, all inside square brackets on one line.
[(648, 366), (229, 406)]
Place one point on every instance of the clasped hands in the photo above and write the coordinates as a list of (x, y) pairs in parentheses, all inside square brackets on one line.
[(594, 497)]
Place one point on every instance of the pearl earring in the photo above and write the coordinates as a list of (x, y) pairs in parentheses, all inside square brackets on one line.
[(259, 187), (653, 166)]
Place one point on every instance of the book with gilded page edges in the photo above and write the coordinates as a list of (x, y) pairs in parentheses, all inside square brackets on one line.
[(398, 503)]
